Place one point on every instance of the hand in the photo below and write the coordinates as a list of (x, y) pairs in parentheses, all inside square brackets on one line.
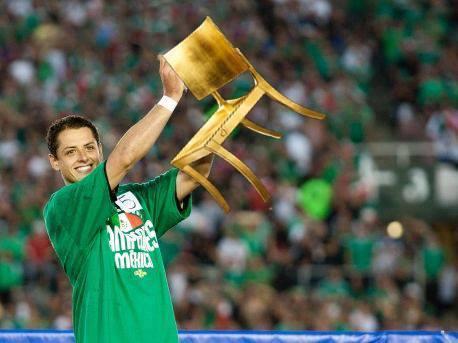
[(171, 83)]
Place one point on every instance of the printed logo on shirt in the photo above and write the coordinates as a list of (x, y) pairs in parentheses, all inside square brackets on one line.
[(129, 221), (132, 240), (132, 249), (128, 202), (140, 273)]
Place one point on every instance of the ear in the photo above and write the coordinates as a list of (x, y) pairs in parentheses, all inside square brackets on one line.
[(54, 162)]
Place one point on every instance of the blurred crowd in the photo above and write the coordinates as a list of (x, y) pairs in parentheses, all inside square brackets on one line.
[(317, 257)]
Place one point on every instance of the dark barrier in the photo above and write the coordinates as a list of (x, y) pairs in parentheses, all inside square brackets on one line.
[(37, 336)]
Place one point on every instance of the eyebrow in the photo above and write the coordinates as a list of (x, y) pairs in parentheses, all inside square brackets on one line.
[(74, 146)]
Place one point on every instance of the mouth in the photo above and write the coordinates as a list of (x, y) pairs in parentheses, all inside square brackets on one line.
[(86, 169)]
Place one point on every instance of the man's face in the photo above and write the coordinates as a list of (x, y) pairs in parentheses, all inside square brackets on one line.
[(77, 154)]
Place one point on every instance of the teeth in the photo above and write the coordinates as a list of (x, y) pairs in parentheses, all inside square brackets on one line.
[(84, 169)]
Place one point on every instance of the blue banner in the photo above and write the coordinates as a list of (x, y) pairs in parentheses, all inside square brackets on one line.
[(38, 336)]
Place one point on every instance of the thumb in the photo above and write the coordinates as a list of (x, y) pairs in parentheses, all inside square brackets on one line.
[(161, 61)]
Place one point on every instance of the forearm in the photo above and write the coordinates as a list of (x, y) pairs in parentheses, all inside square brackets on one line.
[(135, 144), (139, 139)]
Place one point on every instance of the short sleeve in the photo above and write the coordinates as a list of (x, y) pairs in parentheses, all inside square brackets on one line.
[(159, 195), (76, 213)]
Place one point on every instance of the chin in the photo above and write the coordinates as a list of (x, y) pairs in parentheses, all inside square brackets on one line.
[(75, 178), (82, 176)]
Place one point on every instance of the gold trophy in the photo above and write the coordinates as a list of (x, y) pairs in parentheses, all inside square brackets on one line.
[(206, 61)]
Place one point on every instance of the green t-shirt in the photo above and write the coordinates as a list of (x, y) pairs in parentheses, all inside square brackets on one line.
[(360, 251), (110, 252)]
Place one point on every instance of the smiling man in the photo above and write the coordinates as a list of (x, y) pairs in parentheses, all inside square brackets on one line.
[(106, 234)]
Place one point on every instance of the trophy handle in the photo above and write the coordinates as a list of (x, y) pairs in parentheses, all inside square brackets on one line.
[(259, 129), (211, 146), (241, 167), (183, 162), (276, 95), (208, 186)]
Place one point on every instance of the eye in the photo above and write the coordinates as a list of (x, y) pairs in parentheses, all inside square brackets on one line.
[(70, 152), (90, 147)]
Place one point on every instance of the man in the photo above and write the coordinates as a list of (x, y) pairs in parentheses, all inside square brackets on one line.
[(106, 236)]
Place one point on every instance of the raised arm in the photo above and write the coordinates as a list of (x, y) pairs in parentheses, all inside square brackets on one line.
[(139, 139)]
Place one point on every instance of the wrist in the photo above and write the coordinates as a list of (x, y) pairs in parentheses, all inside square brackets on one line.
[(176, 97), (168, 103)]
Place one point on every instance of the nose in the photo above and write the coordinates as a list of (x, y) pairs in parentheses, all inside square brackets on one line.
[(82, 156)]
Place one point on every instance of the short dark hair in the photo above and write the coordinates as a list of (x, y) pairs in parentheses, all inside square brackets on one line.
[(68, 122)]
